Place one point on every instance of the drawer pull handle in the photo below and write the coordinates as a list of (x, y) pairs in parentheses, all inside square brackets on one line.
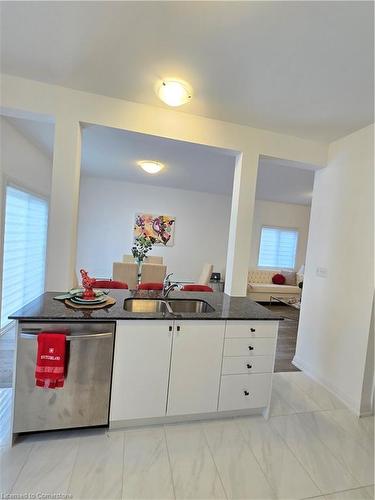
[(252, 330), (170, 328), (251, 348), (249, 366), (246, 393), (178, 328)]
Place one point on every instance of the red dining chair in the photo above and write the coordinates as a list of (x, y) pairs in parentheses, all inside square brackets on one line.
[(111, 284), (196, 288), (150, 286)]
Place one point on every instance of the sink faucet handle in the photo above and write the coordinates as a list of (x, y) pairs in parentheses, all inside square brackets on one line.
[(167, 281)]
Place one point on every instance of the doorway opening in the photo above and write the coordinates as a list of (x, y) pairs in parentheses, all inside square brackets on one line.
[(280, 231), (184, 208)]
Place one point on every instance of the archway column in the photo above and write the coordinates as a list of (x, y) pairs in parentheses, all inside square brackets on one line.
[(63, 210), (239, 240)]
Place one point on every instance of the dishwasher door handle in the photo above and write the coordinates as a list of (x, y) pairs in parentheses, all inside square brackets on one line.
[(88, 336)]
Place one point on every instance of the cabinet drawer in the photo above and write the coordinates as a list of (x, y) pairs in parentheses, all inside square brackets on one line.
[(244, 391), (251, 329), (244, 347), (247, 364)]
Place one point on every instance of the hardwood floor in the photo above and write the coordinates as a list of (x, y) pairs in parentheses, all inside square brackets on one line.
[(286, 343)]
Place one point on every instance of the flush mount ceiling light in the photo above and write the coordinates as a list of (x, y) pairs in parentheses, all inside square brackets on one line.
[(151, 167), (174, 92)]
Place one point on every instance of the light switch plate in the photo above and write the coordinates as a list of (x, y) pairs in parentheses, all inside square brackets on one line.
[(322, 272)]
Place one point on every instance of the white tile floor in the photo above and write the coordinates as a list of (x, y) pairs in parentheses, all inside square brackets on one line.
[(311, 447)]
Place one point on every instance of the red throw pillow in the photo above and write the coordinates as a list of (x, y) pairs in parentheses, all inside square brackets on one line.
[(278, 279)]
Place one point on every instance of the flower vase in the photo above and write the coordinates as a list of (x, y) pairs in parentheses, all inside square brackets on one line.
[(139, 264)]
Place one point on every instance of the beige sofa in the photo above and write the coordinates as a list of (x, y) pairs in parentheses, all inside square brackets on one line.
[(260, 286)]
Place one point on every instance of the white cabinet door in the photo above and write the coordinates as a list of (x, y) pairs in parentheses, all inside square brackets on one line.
[(195, 367), (141, 369)]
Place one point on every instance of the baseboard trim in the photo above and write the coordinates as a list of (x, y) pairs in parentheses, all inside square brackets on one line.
[(305, 367), (366, 413), (141, 422)]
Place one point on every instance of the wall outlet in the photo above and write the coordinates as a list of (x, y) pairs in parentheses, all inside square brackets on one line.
[(322, 272)]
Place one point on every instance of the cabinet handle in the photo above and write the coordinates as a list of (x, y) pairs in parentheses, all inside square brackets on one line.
[(178, 328), (249, 366), (251, 348), (170, 328), (252, 330), (246, 393)]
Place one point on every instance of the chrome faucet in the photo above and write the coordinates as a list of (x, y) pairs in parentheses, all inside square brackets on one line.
[(168, 286)]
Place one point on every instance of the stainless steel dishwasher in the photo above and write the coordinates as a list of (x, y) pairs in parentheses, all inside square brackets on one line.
[(84, 399)]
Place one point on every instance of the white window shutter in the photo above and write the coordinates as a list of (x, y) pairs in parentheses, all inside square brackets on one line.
[(278, 248), (25, 243)]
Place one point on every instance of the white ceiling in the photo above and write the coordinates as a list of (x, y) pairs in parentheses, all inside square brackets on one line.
[(115, 153), (112, 153), (278, 181), (300, 68)]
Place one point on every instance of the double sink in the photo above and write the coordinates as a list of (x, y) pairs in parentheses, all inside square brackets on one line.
[(172, 306)]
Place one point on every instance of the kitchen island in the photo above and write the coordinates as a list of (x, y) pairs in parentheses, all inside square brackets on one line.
[(169, 364), (225, 307)]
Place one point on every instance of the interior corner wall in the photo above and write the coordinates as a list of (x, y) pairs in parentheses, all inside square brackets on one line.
[(22, 162), (289, 215), (333, 335), (367, 402), (106, 218)]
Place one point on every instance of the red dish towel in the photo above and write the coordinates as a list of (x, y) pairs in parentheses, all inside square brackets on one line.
[(50, 360)]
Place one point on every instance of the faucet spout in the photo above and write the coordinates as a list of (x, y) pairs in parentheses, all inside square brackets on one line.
[(168, 286)]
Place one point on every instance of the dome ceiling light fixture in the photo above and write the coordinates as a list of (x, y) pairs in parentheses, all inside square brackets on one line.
[(151, 166), (174, 92)]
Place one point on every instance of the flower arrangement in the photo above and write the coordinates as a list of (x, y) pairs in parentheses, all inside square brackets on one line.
[(142, 245)]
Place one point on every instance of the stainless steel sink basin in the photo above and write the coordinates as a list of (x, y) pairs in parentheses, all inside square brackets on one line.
[(190, 306), (146, 306), (170, 306)]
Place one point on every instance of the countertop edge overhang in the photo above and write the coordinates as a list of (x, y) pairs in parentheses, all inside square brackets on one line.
[(46, 308)]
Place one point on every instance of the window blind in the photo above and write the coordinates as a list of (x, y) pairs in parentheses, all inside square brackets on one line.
[(25, 242), (278, 248)]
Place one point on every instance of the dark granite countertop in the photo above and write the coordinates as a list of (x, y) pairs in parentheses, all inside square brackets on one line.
[(225, 307)]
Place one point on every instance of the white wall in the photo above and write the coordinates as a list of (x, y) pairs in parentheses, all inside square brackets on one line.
[(336, 310), (106, 218), (367, 401), (68, 108), (268, 213), (22, 162)]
